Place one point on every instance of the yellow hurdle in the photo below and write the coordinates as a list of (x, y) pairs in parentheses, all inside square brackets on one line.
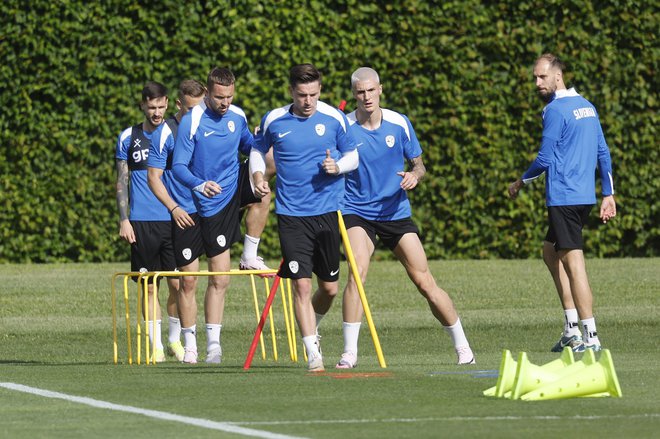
[(143, 282), (360, 288)]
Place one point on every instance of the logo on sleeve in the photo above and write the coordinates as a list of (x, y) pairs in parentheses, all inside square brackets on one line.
[(320, 129)]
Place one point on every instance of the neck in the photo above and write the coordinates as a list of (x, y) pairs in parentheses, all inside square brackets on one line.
[(148, 126), (370, 121)]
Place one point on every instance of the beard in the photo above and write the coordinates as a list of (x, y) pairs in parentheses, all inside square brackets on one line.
[(546, 96)]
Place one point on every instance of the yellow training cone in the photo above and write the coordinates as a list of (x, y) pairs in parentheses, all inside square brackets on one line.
[(529, 377), (565, 359), (594, 379), (506, 376)]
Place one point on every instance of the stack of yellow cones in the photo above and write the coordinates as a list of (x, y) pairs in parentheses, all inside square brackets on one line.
[(560, 378)]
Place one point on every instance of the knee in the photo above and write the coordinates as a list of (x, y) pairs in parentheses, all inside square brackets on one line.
[(425, 283)]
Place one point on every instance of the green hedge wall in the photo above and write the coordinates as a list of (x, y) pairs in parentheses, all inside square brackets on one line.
[(72, 72)]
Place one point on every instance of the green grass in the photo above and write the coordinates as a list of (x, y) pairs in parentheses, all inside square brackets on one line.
[(56, 335)]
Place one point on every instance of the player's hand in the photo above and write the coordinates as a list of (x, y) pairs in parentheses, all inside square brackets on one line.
[(607, 208), (514, 188), (329, 164), (211, 188), (408, 180), (126, 231), (261, 187), (181, 218)]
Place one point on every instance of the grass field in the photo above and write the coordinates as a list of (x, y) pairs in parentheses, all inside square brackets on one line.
[(56, 336)]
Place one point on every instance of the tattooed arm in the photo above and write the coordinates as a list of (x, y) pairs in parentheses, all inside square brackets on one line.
[(125, 229), (411, 178)]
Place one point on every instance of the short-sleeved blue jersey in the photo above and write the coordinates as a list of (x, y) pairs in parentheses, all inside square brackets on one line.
[(373, 190), (144, 206), (206, 148), (299, 147), (162, 150), (573, 145)]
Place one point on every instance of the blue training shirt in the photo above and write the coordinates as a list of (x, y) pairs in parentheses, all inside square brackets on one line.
[(373, 190), (299, 147), (206, 148), (162, 149), (573, 145), (143, 204)]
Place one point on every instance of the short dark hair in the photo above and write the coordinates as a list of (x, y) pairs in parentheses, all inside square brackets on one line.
[(554, 61), (191, 87), (303, 74), (221, 76), (153, 90)]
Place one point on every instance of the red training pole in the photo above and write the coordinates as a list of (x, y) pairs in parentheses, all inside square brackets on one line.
[(262, 321), (342, 105)]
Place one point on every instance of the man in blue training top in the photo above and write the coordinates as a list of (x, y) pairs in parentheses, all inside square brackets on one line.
[(208, 141), (572, 146), (376, 204), (147, 227), (312, 147)]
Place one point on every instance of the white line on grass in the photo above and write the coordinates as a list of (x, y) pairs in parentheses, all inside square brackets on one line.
[(453, 419), (197, 422)]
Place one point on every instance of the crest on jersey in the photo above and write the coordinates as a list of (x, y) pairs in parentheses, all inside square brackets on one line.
[(320, 129), (187, 253), (293, 266), (389, 141), (221, 240), (231, 126)]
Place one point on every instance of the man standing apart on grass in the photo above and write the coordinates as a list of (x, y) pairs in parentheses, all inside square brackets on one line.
[(208, 141), (186, 235), (376, 204), (572, 146), (308, 137), (148, 226)]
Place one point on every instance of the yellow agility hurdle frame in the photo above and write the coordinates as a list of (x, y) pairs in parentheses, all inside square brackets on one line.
[(143, 280)]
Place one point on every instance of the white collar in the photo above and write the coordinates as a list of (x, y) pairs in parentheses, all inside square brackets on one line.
[(566, 93)]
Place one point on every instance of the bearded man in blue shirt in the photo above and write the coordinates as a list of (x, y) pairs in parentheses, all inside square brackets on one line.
[(572, 147)]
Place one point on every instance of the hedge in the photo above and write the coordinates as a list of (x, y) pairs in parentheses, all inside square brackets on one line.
[(461, 70)]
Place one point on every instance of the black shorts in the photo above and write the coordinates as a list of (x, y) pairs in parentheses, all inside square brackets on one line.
[(566, 224), (223, 229), (152, 249), (310, 244), (188, 243), (389, 232), (245, 187)]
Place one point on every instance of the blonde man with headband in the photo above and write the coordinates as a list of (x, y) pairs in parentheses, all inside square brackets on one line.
[(376, 205)]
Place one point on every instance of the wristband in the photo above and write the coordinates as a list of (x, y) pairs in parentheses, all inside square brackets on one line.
[(173, 209)]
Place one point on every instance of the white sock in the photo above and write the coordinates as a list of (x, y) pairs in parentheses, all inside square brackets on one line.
[(190, 338), (174, 329), (213, 337), (250, 247), (457, 334), (319, 317), (351, 334), (311, 346), (155, 333), (571, 326), (589, 330)]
